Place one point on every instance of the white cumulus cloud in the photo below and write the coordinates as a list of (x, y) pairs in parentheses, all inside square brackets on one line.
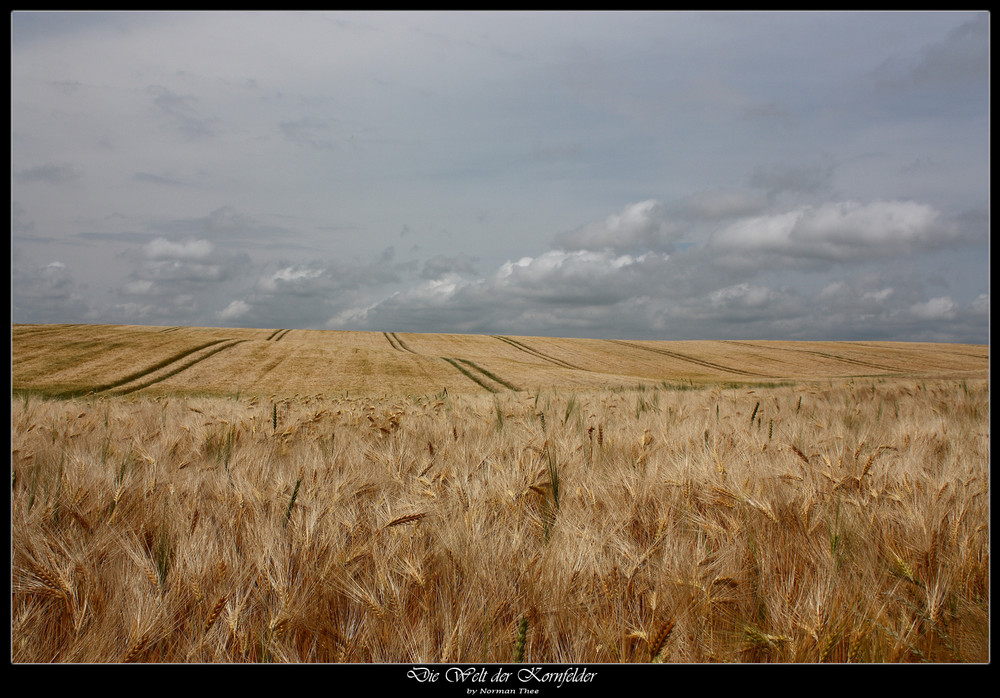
[(835, 232), (287, 275), (934, 309), (644, 225), (234, 310)]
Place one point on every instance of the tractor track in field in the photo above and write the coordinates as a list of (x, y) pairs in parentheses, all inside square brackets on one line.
[(105, 387), (537, 354), (483, 378), (477, 374), (396, 343), (172, 369), (692, 359), (966, 355), (835, 357)]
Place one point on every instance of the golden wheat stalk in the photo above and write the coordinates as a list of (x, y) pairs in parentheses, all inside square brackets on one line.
[(409, 518), (137, 647), (660, 638), (216, 610)]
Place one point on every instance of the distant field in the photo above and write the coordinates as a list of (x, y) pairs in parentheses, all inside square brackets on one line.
[(76, 360), (219, 495)]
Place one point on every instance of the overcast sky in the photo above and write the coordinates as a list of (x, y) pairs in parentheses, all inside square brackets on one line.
[(637, 175)]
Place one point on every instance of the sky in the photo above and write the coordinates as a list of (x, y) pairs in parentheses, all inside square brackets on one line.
[(673, 176)]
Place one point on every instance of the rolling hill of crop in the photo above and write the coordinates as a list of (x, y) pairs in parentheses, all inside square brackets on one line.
[(185, 494), (76, 360)]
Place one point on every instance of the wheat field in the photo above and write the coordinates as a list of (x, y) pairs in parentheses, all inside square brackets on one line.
[(218, 495)]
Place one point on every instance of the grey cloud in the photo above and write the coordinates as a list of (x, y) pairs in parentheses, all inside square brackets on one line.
[(868, 308), (718, 204), (124, 237), (175, 271), (173, 266), (806, 178), (579, 278), (227, 223), (958, 62), (19, 225), (296, 294), (555, 291), (150, 178), (46, 294), (683, 296), (640, 226), (308, 133), (441, 266), (703, 134), (50, 173), (962, 55), (325, 279), (161, 248), (182, 113)]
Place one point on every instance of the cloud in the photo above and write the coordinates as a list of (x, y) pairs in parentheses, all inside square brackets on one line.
[(226, 223), (741, 296), (150, 178), (308, 133), (160, 248), (798, 178), (169, 266), (182, 113), (982, 304), (49, 173), (580, 277), (835, 232), (234, 310), (440, 266), (556, 289), (134, 311), (934, 309), (140, 287), (629, 196), (289, 280), (961, 58), (640, 226), (46, 293), (879, 296), (20, 226), (719, 204)]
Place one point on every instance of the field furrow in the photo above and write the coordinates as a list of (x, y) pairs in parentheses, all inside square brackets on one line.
[(152, 377), (490, 375), (104, 387), (481, 381), (534, 352), (401, 344), (392, 343), (68, 360), (692, 359)]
